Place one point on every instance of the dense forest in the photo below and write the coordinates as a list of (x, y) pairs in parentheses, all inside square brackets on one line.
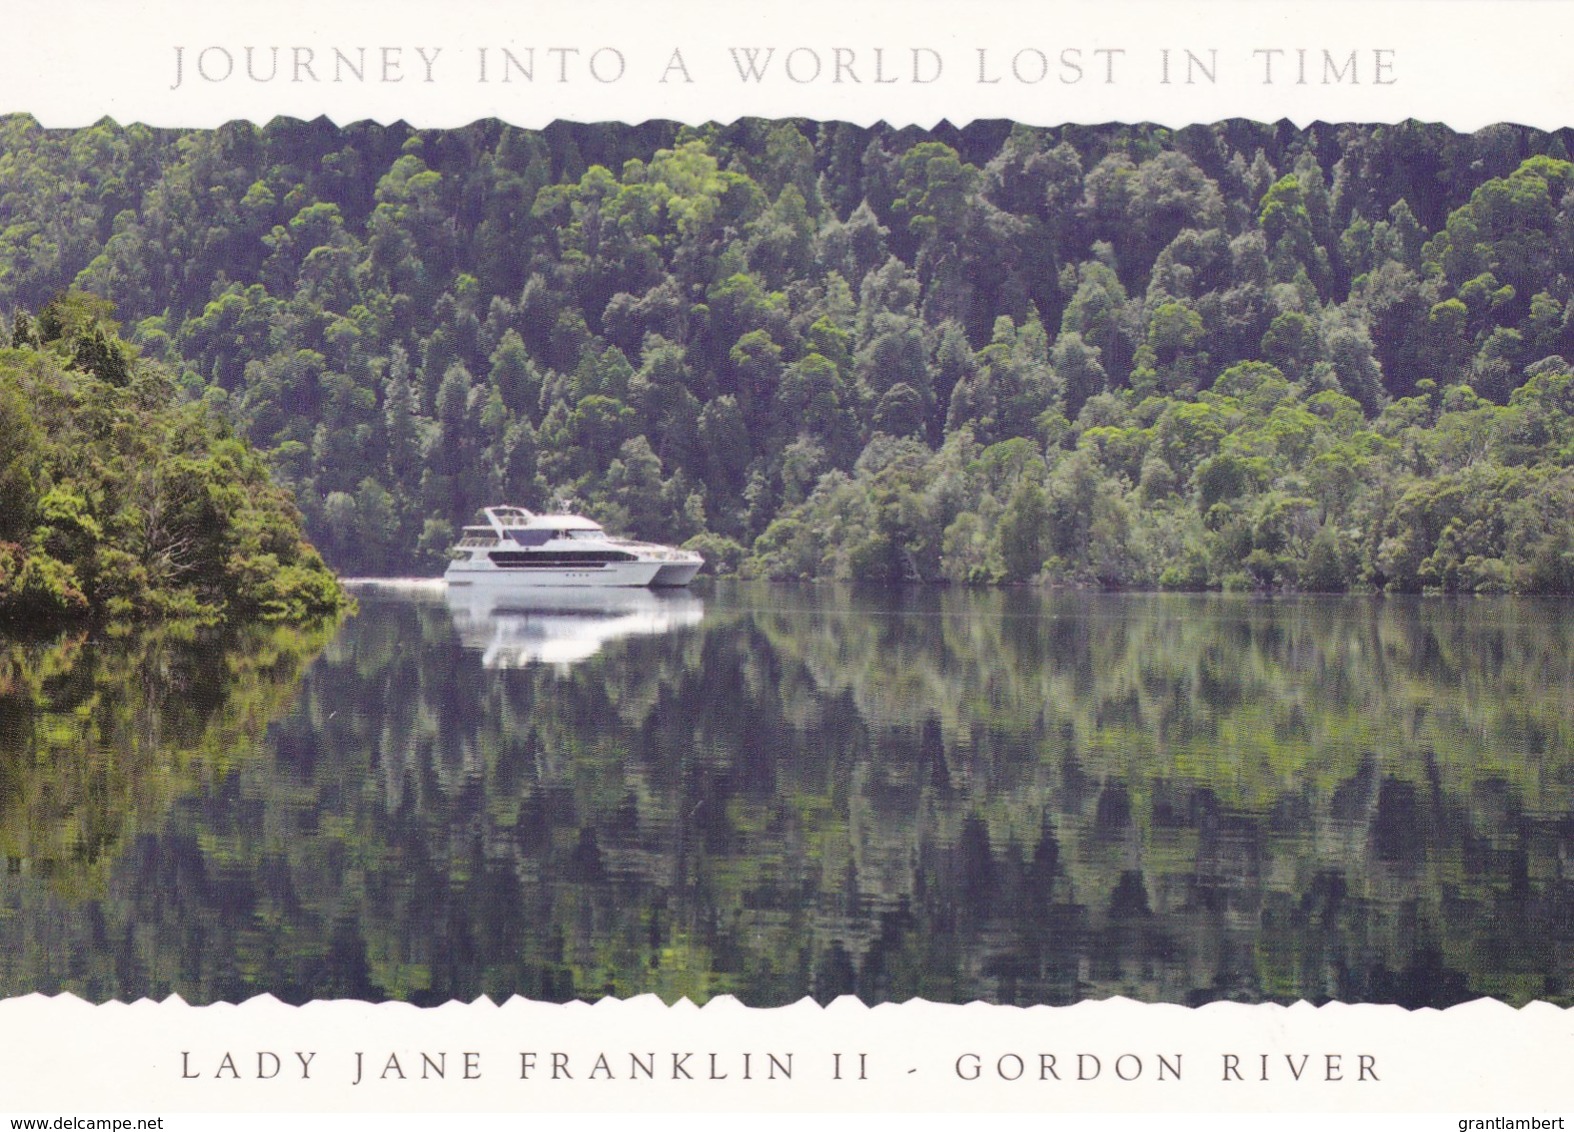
[(1230, 356), (119, 501)]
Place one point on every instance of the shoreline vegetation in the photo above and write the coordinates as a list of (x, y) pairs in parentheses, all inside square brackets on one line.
[(1232, 357), (122, 504)]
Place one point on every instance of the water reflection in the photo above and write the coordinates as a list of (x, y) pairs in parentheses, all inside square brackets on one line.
[(100, 737), (515, 627), (1012, 796)]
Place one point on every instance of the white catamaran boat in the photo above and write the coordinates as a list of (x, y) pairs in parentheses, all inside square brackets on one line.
[(519, 548)]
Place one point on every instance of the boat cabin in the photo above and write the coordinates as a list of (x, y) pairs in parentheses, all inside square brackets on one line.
[(519, 527)]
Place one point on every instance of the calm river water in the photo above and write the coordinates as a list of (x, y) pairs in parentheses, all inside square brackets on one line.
[(775, 792)]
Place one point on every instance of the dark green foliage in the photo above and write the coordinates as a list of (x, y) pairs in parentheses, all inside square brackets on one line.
[(1022, 531), (413, 324), (121, 505)]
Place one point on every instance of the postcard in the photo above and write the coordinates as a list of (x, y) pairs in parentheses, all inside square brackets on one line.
[(802, 559)]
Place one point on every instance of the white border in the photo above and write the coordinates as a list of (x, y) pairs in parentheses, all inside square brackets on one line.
[(1467, 63)]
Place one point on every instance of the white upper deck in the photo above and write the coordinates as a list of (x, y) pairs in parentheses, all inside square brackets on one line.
[(502, 519)]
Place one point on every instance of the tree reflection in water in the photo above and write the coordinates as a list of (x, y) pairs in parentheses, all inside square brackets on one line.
[(1006, 795)]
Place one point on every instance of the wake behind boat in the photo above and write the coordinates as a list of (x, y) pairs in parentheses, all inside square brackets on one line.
[(520, 548)]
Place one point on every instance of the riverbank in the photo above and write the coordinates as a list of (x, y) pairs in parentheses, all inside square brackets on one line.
[(125, 503)]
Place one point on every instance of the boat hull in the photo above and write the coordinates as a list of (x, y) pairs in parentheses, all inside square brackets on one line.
[(675, 574), (612, 575)]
